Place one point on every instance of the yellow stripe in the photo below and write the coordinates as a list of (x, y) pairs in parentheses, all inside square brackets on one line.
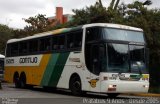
[(58, 31), (34, 74)]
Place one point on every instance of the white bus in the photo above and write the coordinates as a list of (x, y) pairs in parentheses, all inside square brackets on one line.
[(99, 57)]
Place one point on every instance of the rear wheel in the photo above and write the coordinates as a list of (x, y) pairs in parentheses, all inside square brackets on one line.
[(16, 80), (75, 85), (22, 80)]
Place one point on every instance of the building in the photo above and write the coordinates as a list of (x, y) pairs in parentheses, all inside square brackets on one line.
[(60, 18)]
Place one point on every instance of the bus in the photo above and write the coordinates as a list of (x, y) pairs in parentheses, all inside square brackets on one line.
[(99, 57)]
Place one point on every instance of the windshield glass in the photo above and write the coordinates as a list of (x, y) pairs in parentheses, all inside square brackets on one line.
[(137, 59), (124, 58), (118, 57), (125, 35), (105, 33)]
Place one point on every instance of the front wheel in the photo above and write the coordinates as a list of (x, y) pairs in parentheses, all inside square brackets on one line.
[(75, 86)]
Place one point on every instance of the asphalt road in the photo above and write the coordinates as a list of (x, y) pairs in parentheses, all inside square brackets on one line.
[(11, 95)]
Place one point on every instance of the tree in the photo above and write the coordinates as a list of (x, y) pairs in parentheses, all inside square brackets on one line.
[(93, 14), (114, 5), (38, 23), (5, 34)]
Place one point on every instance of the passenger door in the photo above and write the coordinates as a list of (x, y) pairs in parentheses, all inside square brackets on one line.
[(97, 55)]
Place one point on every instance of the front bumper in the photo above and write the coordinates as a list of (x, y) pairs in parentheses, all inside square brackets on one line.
[(125, 86)]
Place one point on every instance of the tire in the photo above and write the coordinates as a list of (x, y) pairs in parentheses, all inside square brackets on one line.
[(22, 81), (75, 85), (112, 95), (16, 81)]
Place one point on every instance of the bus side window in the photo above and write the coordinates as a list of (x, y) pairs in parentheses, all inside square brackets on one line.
[(8, 52), (33, 46), (23, 48), (78, 39), (58, 42), (55, 43), (74, 40), (14, 49), (70, 40), (61, 42), (45, 44)]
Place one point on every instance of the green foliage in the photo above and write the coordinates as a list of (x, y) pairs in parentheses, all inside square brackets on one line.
[(5, 34), (37, 24)]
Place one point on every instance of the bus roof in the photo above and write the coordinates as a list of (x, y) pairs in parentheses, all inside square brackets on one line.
[(64, 30)]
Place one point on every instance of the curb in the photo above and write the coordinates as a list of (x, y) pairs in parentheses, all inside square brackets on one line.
[(143, 94)]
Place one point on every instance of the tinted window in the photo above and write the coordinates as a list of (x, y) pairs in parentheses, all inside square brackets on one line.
[(137, 58), (33, 46), (74, 40), (45, 44), (55, 45), (8, 52), (23, 48), (58, 42), (14, 49), (118, 57), (94, 33), (99, 33), (119, 34)]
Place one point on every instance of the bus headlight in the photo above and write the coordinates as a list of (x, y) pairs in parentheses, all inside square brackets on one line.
[(112, 88)]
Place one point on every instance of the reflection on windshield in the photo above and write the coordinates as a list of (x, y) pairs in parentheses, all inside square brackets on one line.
[(125, 35), (123, 58), (118, 57), (137, 59)]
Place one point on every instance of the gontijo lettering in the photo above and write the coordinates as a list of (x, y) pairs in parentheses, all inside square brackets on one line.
[(28, 60)]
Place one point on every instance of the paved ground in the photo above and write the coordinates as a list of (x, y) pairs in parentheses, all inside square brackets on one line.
[(11, 95)]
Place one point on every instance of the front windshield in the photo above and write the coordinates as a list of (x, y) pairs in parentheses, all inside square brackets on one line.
[(118, 57), (124, 58), (121, 34), (137, 59), (106, 33)]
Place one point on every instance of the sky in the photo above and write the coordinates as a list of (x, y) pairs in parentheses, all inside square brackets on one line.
[(12, 12)]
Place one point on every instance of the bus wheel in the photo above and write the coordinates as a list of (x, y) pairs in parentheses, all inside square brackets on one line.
[(112, 95), (16, 80), (22, 80), (75, 85)]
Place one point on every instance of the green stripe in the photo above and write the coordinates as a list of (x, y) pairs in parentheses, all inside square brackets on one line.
[(54, 69), (49, 69), (58, 69)]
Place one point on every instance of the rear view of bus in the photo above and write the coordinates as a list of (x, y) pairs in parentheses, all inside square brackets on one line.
[(117, 58)]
